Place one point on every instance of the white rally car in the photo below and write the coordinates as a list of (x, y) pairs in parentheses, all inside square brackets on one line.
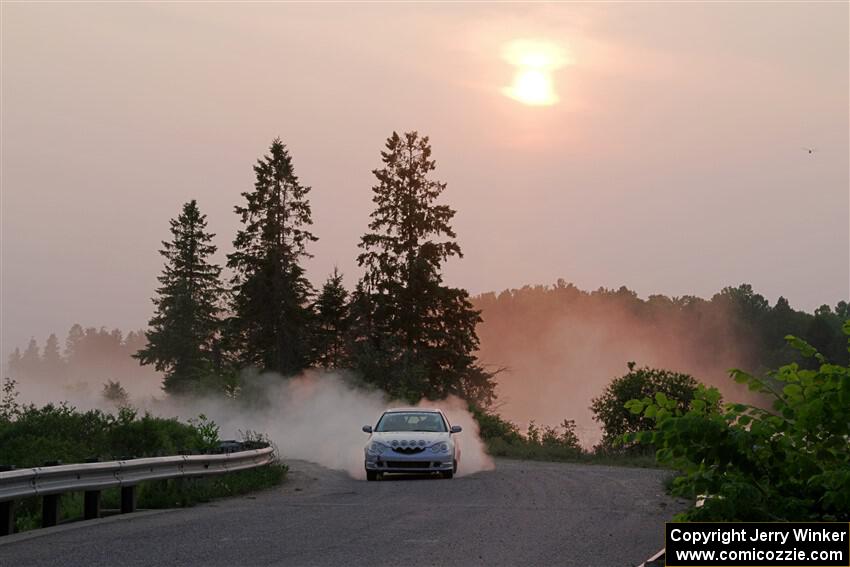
[(412, 441)]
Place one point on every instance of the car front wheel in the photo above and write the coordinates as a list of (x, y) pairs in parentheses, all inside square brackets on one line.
[(371, 475)]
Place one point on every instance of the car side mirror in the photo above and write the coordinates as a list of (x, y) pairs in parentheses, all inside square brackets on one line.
[(456, 428), (367, 429)]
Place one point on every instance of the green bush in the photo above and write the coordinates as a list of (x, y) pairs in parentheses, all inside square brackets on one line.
[(60, 432), (492, 426), (503, 439), (610, 408), (789, 463)]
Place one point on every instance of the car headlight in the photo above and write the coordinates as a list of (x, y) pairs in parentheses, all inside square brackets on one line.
[(376, 448), (440, 448)]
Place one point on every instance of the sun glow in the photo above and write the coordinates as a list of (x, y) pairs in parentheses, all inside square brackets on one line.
[(532, 86), (535, 62)]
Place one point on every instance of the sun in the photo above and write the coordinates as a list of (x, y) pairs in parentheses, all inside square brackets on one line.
[(535, 61), (532, 87)]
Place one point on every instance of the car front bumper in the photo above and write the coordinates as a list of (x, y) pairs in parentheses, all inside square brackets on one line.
[(393, 462)]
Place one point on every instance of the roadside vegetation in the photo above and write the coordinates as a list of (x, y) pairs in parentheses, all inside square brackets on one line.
[(789, 462), (504, 438), (546, 443), (60, 434), (609, 409)]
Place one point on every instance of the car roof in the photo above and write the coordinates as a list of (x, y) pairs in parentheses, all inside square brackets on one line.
[(422, 410)]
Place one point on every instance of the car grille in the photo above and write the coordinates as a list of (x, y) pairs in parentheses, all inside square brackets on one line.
[(409, 464), (408, 450)]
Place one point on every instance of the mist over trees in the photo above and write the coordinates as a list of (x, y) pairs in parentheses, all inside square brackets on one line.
[(739, 319), (90, 357), (562, 345)]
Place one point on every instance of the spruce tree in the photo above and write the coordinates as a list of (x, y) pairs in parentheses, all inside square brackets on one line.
[(331, 325), (73, 344), (51, 359), (184, 328), (417, 336), (30, 366), (271, 325), (13, 366)]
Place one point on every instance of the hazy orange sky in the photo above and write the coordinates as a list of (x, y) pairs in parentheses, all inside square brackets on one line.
[(672, 163)]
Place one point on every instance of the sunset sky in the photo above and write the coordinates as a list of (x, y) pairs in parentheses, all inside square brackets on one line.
[(657, 146)]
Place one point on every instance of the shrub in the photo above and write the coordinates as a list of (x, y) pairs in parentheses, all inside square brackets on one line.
[(503, 439), (9, 406), (791, 463), (115, 393), (60, 432), (610, 408), (493, 426)]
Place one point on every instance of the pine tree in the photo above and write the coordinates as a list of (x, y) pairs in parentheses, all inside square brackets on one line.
[(416, 336), (51, 359), (14, 364), (73, 344), (331, 325), (270, 327), (184, 328), (30, 365)]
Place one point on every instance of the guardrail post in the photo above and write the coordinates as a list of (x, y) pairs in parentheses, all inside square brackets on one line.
[(128, 499), (7, 517), (91, 504), (50, 503), (50, 510)]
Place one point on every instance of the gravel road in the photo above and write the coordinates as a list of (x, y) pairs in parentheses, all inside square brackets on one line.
[(522, 513)]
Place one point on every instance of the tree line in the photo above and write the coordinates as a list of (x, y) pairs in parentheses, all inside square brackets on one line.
[(401, 329), (736, 315), (88, 354)]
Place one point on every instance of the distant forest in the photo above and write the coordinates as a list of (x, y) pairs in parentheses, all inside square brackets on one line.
[(560, 346), (734, 316), (88, 356), (735, 325)]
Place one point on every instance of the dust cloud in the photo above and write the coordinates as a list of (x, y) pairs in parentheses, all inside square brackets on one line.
[(560, 348), (316, 416)]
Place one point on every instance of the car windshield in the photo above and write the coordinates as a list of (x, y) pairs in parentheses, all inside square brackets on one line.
[(411, 421)]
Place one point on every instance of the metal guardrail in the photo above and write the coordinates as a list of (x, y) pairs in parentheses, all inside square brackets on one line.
[(91, 478)]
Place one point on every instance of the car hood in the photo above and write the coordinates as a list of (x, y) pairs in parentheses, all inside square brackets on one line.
[(410, 437)]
